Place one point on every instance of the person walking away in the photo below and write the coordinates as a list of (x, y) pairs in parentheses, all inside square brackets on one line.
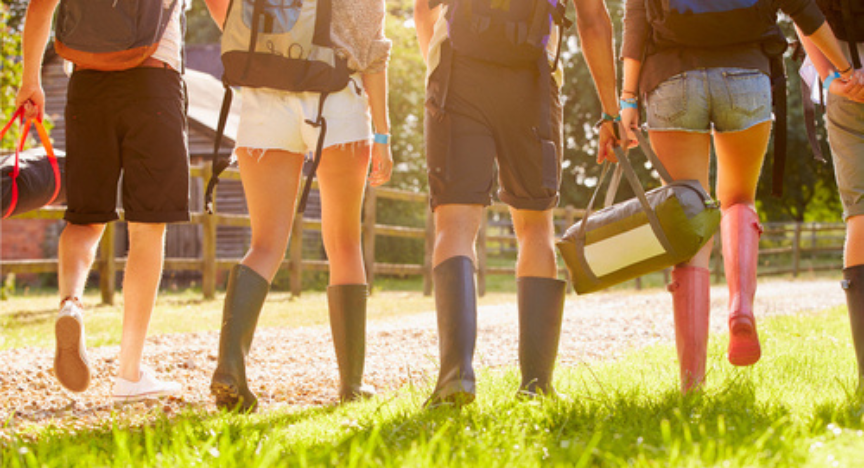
[(277, 128), (492, 100), (703, 73), (123, 116), (845, 122)]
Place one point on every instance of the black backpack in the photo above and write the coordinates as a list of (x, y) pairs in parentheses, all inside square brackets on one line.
[(283, 45), (110, 34), (703, 24), (509, 32), (709, 24)]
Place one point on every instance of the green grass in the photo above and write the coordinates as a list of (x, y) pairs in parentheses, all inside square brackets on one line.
[(795, 408)]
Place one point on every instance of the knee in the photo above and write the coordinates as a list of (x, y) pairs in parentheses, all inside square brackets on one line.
[(343, 248)]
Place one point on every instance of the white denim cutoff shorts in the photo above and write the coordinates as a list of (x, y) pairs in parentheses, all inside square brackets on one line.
[(276, 120)]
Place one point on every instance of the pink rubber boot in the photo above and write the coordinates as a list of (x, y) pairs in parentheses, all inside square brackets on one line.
[(691, 288), (740, 230)]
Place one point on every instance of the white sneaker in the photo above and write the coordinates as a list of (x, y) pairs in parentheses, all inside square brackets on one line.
[(147, 387), (70, 360)]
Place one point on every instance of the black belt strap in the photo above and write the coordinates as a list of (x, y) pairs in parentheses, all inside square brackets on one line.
[(219, 163), (321, 124), (778, 91)]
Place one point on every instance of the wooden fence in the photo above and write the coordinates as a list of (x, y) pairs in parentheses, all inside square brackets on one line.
[(798, 240)]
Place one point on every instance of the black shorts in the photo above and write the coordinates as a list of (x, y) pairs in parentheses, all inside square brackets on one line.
[(492, 114), (130, 122)]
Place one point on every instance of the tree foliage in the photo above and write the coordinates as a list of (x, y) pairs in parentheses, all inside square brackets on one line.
[(11, 16)]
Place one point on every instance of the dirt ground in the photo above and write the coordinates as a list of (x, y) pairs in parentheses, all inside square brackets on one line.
[(297, 366)]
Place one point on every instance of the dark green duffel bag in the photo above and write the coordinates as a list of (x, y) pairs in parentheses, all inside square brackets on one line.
[(658, 229)]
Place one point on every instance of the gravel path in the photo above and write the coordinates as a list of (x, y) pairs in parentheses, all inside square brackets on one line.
[(296, 366)]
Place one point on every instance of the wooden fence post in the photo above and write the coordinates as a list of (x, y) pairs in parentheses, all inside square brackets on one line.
[(208, 244), (482, 254), (295, 253), (107, 264), (796, 250), (569, 220), (717, 256), (370, 215), (429, 245)]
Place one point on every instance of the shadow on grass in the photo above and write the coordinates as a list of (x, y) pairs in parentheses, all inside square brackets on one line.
[(614, 429)]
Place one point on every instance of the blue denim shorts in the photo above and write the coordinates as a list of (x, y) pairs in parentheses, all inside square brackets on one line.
[(718, 99)]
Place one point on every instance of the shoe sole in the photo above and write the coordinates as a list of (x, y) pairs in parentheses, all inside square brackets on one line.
[(140, 397), (70, 366), (744, 348), (228, 398)]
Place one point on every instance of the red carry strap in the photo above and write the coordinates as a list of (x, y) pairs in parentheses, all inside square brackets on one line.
[(49, 149)]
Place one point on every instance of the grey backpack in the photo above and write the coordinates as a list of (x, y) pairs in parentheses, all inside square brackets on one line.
[(110, 34)]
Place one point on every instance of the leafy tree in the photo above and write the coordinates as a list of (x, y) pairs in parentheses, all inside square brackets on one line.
[(11, 16)]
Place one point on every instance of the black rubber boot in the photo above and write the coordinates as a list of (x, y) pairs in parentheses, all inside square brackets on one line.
[(243, 302), (853, 283), (456, 306), (347, 304), (541, 307)]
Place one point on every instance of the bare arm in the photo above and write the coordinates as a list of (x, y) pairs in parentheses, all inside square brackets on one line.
[(382, 158), (37, 27), (629, 116), (218, 11), (595, 33), (851, 89), (825, 41), (424, 21)]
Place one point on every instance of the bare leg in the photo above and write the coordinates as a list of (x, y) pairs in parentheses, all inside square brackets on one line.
[(270, 183), (687, 156), (456, 228), (140, 286), (342, 178), (536, 235), (77, 250), (739, 161), (854, 251)]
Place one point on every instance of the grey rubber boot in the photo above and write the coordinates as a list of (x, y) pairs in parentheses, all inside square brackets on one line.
[(456, 306), (245, 297), (853, 284), (347, 304), (541, 309)]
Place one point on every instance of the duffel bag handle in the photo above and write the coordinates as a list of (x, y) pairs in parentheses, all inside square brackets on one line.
[(22, 140), (626, 168)]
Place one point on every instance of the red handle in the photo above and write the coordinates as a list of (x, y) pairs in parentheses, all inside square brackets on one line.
[(49, 149)]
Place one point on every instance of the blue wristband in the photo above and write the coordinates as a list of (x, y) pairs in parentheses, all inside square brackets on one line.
[(381, 138), (827, 84), (628, 103)]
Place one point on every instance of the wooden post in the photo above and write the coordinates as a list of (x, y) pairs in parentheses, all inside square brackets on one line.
[(208, 245), (796, 250), (569, 220), (295, 253), (429, 245), (718, 257), (370, 214), (482, 254), (107, 264)]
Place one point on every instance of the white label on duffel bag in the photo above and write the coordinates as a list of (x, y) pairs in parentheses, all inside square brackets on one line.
[(630, 247)]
